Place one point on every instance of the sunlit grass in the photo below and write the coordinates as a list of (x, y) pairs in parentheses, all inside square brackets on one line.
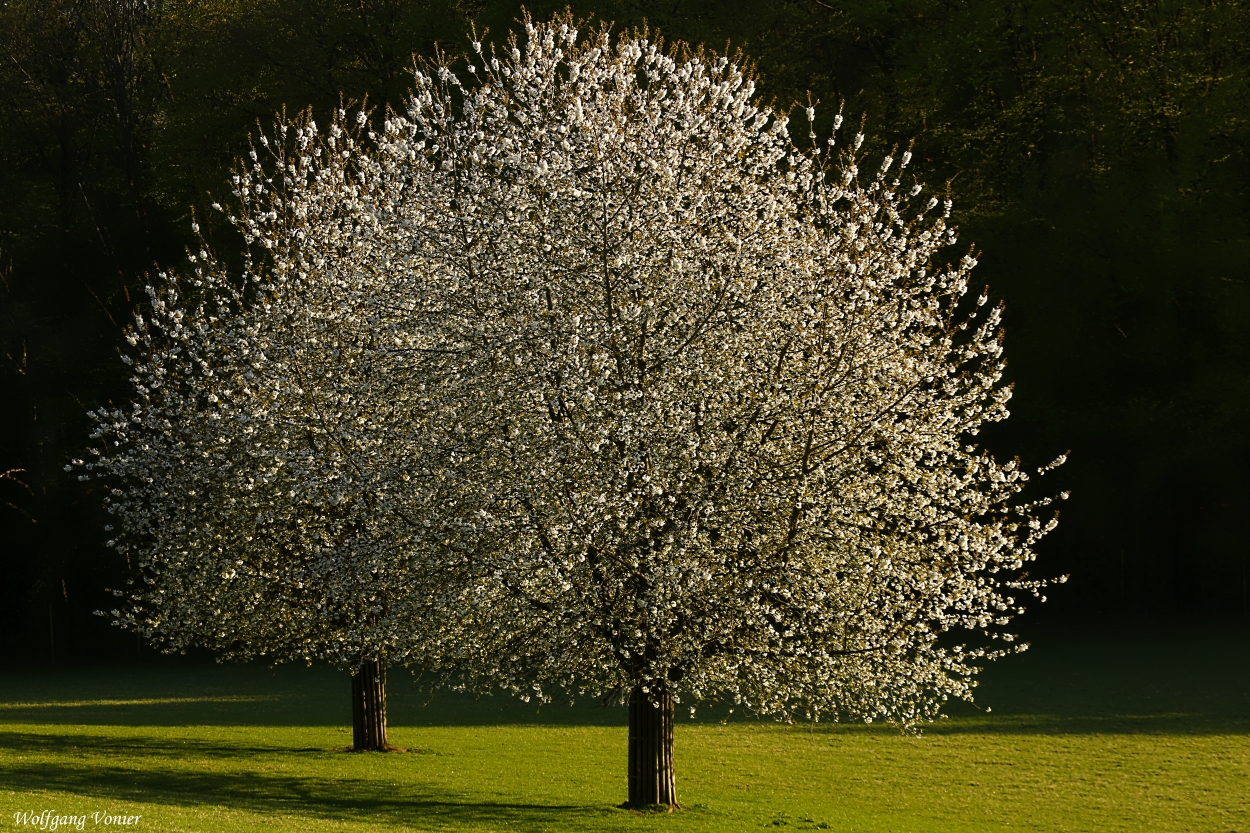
[(1106, 734)]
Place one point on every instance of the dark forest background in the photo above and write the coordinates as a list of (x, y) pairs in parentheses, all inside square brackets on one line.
[(1098, 153)]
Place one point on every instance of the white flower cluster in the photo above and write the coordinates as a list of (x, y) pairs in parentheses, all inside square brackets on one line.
[(581, 375), (263, 477)]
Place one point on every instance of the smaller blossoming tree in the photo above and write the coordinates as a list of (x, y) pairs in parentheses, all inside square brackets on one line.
[(258, 482)]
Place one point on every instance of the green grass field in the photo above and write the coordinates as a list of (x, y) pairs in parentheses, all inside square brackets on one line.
[(1089, 732)]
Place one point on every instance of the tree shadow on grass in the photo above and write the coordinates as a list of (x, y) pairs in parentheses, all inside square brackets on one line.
[(970, 722), (308, 710), (243, 695), (183, 711), (148, 746), (448, 710), (1194, 682), (249, 788), (1174, 723)]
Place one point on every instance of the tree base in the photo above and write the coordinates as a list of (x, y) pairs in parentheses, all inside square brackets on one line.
[(369, 707), (651, 780), (649, 809)]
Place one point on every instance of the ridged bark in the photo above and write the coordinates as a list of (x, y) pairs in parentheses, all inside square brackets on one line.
[(369, 707), (651, 779)]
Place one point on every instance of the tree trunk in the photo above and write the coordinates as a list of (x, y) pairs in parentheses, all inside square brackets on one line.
[(369, 707), (651, 778)]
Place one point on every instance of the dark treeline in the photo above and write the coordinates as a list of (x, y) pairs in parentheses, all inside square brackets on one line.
[(1097, 153)]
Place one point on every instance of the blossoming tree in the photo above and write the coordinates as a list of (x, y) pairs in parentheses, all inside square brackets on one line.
[(256, 478), (720, 396)]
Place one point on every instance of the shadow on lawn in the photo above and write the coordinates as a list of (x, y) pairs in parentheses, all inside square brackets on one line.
[(1114, 724), (262, 792), (309, 710), (1072, 682), (255, 695), (148, 746), (278, 711)]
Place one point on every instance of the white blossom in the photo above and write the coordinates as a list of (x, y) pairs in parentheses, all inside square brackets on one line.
[(716, 396), (262, 492)]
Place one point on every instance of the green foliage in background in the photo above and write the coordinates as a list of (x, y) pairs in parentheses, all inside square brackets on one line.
[(1097, 153)]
